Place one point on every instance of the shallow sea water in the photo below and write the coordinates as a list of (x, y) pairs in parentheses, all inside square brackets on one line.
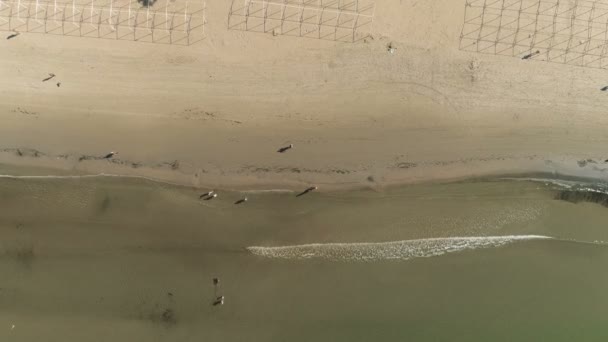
[(123, 259)]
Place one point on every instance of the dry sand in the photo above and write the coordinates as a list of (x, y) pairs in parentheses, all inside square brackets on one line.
[(356, 114)]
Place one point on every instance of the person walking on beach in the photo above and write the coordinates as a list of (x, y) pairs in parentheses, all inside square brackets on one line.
[(219, 301), (312, 188), (13, 35), (110, 155), (51, 76), (242, 200), (207, 194), (285, 149)]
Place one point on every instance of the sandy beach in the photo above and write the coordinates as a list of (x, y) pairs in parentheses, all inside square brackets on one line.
[(215, 112), (447, 207)]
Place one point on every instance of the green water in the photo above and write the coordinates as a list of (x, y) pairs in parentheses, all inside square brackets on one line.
[(114, 259)]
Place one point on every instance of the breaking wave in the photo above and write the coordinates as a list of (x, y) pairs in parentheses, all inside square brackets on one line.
[(156, 180), (564, 184), (278, 191), (98, 175), (393, 250)]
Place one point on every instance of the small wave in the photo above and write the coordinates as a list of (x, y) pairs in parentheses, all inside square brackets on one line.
[(49, 177), (98, 175), (110, 175), (580, 184), (393, 250), (266, 191), (73, 176), (558, 182)]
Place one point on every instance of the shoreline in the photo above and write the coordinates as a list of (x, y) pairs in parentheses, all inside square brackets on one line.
[(44, 166)]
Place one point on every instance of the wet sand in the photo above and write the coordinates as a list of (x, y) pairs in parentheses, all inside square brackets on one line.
[(133, 260)]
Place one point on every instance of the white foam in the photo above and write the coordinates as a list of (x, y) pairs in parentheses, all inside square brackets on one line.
[(50, 176), (74, 176), (561, 183), (98, 175), (393, 250), (101, 175), (266, 191)]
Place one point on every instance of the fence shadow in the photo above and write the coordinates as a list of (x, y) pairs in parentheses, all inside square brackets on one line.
[(552, 31), (320, 19), (113, 22)]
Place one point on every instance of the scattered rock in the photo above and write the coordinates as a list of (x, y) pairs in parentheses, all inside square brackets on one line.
[(406, 165), (23, 152), (23, 111)]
